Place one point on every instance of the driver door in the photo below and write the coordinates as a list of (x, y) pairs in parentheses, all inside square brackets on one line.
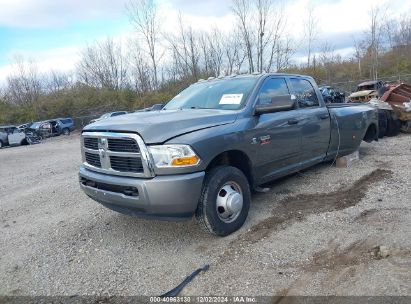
[(276, 139)]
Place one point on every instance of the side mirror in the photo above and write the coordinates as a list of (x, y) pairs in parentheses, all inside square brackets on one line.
[(278, 103)]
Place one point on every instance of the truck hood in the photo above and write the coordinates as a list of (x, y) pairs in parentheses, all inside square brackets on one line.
[(159, 126)]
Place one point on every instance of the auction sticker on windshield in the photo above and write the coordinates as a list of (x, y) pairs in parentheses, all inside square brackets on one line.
[(231, 99)]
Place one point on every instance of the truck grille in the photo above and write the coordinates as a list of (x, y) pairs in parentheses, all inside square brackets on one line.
[(91, 143), (123, 145), (116, 153), (126, 164), (93, 159)]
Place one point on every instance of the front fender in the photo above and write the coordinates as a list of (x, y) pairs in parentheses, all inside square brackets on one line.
[(208, 143)]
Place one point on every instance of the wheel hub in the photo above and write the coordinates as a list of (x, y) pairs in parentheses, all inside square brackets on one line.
[(229, 202)]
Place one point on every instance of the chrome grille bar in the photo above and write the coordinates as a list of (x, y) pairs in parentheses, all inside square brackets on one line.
[(129, 158)]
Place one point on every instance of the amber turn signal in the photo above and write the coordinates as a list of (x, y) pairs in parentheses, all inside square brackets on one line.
[(185, 161)]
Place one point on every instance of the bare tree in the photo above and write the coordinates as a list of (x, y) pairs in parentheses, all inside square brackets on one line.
[(205, 52), (403, 35), (327, 58), (57, 81), (276, 41), (140, 70), (233, 53), (144, 16), (103, 65), (262, 25), (242, 9), (374, 36), (310, 32), (402, 38), (215, 40), (185, 51), (263, 13), (284, 51), (24, 84), (358, 55)]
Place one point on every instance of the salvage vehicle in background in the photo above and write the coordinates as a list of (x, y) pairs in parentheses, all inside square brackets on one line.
[(214, 143), (12, 136), (330, 95), (108, 115), (367, 90), (52, 127), (155, 107), (392, 101), (25, 126)]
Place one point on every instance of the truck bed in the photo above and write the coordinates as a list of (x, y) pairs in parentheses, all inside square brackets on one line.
[(343, 105)]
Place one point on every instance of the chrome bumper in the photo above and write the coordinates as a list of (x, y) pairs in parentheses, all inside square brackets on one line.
[(165, 197)]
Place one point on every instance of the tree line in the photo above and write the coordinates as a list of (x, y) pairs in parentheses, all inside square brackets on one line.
[(156, 64)]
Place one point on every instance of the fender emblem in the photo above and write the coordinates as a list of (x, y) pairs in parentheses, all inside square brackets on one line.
[(264, 140)]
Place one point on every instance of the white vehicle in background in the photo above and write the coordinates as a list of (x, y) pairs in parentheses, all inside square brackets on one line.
[(108, 115), (12, 136)]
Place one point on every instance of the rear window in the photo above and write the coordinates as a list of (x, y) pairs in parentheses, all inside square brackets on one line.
[(304, 92)]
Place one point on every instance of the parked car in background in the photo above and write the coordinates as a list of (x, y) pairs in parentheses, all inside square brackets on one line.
[(155, 107), (66, 125), (108, 115), (11, 136), (330, 95)]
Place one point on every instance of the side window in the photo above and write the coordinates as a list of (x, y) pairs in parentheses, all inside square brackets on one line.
[(272, 87), (305, 93)]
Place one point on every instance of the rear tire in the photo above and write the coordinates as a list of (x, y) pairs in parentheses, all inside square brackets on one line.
[(382, 123), (393, 124), (225, 189)]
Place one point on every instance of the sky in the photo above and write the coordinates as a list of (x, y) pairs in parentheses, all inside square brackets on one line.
[(53, 32)]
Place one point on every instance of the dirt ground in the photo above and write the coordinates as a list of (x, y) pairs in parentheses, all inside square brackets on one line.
[(324, 231)]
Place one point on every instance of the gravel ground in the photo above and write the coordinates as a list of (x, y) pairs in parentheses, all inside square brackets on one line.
[(324, 231)]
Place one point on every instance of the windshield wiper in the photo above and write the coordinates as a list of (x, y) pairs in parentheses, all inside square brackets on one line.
[(196, 107)]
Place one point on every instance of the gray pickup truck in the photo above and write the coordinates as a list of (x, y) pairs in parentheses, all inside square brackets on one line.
[(214, 143)]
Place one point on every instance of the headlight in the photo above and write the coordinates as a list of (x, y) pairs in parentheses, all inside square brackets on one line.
[(165, 156)]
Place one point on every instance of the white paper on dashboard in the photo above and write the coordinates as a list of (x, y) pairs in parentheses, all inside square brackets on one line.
[(231, 99)]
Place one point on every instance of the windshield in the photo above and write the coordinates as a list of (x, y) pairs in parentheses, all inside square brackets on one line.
[(227, 94), (107, 115)]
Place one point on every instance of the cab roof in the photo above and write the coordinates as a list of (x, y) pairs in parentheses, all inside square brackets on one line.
[(252, 75)]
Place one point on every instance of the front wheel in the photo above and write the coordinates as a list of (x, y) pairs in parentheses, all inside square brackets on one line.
[(66, 131), (224, 202)]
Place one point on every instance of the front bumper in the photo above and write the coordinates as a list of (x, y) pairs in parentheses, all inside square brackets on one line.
[(169, 197)]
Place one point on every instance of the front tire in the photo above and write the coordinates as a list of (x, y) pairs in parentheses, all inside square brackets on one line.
[(224, 202), (66, 131)]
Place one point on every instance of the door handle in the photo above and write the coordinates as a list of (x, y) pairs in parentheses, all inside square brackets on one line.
[(293, 121), (324, 116)]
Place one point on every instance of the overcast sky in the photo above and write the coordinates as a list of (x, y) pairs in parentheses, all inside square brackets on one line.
[(52, 32)]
